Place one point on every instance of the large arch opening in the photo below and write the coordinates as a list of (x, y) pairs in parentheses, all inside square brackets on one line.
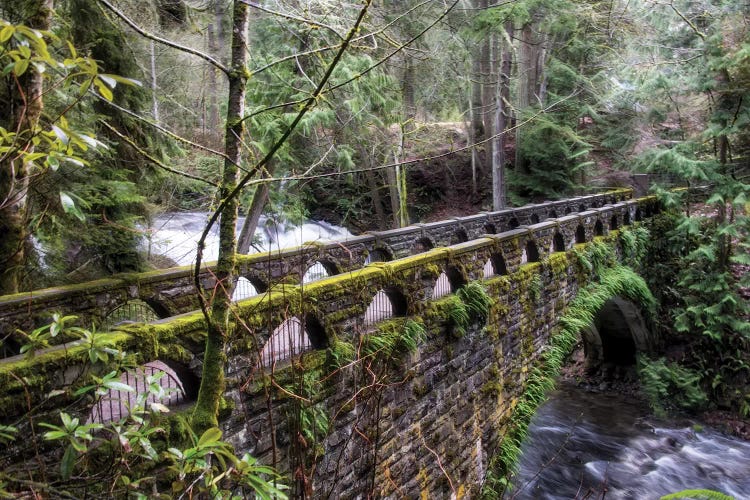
[(490, 228), (513, 223), (292, 338), (558, 242), (617, 334), (534, 219)]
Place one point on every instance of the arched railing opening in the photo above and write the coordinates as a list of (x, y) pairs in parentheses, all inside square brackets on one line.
[(292, 338), (459, 237), (568, 210), (378, 255), (580, 234), (638, 215), (165, 389), (558, 243), (133, 311), (243, 289), (613, 224), (626, 218), (423, 244), (448, 282), (581, 208), (318, 271), (513, 223), (495, 266), (598, 228), (534, 219), (490, 229), (530, 252), (552, 214), (387, 303)]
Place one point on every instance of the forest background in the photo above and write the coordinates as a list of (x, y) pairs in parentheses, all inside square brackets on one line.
[(374, 115)]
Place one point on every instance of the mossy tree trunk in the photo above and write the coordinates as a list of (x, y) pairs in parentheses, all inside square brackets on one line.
[(215, 357), (20, 109)]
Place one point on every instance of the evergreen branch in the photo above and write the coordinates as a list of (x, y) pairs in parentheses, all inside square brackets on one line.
[(152, 159), (164, 41), (468, 147), (332, 47), (365, 71), (165, 131), (310, 22)]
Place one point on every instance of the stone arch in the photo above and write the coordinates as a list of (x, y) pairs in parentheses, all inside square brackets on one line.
[(598, 228), (617, 334), (178, 389), (292, 338), (513, 223), (134, 311), (580, 234), (243, 289), (459, 236), (379, 254), (490, 228), (448, 282), (319, 270), (568, 210), (534, 218), (422, 244), (530, 252), (495, 266), (558, 242), (626, 218), (387, 303), (638, 214), (613, 223), (552, 214)]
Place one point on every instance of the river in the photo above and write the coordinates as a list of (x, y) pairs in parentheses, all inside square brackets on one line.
[(595, 445), (175, 235)]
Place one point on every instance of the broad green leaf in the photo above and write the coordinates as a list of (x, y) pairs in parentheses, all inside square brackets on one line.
[(68, 462), (211, 436), (60, 134), (6, 33), (20, 67), (69, 206)]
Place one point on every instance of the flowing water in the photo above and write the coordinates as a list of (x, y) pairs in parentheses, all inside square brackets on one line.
[(593, 445), (175, 235)]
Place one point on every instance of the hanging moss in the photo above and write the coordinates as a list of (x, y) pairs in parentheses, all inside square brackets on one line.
[(616, 281)]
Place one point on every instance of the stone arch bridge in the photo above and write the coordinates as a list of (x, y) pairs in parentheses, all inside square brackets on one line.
[(405, 397)]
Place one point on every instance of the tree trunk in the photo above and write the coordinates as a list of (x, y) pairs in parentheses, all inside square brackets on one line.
[(526, 72), (372, 182), (24, 103), (501, 122), (253, 216), (211, 390)]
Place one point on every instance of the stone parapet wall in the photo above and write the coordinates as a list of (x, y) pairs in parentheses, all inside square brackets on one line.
[(171, 291), (424, 422)]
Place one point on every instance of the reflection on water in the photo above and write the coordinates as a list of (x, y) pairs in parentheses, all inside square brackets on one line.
[(586, 445)]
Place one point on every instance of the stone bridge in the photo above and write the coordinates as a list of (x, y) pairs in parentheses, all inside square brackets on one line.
[(401, 374)]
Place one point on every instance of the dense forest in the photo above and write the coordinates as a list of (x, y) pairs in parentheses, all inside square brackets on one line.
[(377, 114)]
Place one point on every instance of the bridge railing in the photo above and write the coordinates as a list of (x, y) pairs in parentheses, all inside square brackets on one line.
[(170, 292), (334, 307)]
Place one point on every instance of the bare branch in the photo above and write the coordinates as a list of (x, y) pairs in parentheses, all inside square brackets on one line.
[(164, 41)]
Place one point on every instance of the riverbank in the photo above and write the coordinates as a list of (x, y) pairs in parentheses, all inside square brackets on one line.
[(624, 381)]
